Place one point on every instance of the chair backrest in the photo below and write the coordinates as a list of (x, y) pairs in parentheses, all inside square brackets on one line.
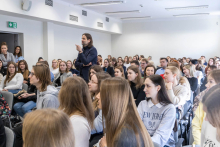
[(10, 137), (9, 98), (25, 86)]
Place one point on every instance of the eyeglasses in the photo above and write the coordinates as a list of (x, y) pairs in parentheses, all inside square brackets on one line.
[(32, 74), (92, 82)]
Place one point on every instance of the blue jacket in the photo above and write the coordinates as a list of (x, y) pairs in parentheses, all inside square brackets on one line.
[(74, 71), (88, 55)]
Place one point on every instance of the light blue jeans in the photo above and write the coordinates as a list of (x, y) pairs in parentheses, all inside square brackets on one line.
[(22, 108), (14, 91)]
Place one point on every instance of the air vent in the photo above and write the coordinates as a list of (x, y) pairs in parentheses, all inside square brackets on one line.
[(74, 18), (84, 13), (100, 24), (107, 19), (49, 2)]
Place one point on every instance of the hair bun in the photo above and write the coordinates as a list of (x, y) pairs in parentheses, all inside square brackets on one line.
[(4, 43)]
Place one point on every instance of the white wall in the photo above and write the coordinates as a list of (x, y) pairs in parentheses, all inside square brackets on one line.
[(175, 38), (62, 38)]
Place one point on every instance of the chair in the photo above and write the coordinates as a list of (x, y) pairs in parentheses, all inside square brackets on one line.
[(25, 86), (10, 137)]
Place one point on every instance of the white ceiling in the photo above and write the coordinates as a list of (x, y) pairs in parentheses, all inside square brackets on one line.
[(155, 9)]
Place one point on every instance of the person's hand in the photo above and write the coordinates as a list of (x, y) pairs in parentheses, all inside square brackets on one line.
[(24, 95), (74, 75), (4, 90), (169, 86), (103, 142), (25, 82), (88, 64), (78, 48)]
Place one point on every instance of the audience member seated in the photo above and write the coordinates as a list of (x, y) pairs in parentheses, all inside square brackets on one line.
[(100, 61), (123, 126), (75, 101), (176, 92), (59, 61), (135, 63), (136, 84), (126, 62), (48, 127), (94, 69), (163, 65), (40, 59), (62, 75), (210, 62), (46, 63), (114, 62), (5, 56), (143, 63), (55, 67), (204, 60), (149, 70), (210, 68), (135, 58), (210, 128), (188, 71), (23, 69), (72, 68), (12, 82), (107, 68), (197, 74), (213, 79), (3, 70), (2, 134), (121, 63), (157, 112), (18, 54), (47, 95), (119, 71)]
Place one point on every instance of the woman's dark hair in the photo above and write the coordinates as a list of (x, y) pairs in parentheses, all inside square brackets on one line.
[(19, 54), (150, 65), (89, 37), (212, 67), (163, 97), (96, 68), (39, 58), (108, 61), (212, 60)]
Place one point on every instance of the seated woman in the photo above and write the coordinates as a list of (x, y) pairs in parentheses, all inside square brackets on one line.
[(48, 127), (47, 95), (12, 82), (136, 83), (75, 101), (5, 56), (127, 62), (94, 69), (23, 69), (55, 67), (18, 54), (123, 126), (157, 112), (121, 63), (72, 69), (213, 79), (107, 68), (62, 75), (149, 70), (119, 72), (3, 70)]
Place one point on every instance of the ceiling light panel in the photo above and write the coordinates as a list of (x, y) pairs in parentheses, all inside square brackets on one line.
[(102, 3), (123, 12), (187, 8), (134, 18), (187, 15)]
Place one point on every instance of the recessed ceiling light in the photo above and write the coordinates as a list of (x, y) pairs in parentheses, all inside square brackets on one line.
[(186, 8), (186, 15), (132, 18), (123, 12), (102, 3)]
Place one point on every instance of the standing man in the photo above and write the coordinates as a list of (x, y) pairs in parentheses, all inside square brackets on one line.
[(87, 56)]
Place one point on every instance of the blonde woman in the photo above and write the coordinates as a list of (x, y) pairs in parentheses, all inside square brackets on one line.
[(49, 128), (123, 126), (55, 67), (76, 102)]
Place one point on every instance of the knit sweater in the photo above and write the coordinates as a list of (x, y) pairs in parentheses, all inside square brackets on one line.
[(178, 95), (159, 121), (15, 83), (10, 57)]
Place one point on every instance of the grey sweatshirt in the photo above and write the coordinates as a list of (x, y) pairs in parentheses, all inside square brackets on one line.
[(48, 99), (10, 57), (159, 121)]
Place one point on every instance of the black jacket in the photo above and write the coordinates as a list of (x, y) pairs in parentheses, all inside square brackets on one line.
[(193, 83), (110, 70), (139, 94), (2, 134), (203, 87)]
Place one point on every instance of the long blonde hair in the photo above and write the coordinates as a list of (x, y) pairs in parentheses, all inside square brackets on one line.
[(190, 68), (74, 97), (57, 63), (47, 127), (119, 110)]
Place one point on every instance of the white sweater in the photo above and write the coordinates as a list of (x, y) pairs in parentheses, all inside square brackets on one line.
[(15, 83), (55, 71), (82, 130), (208, 135)]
